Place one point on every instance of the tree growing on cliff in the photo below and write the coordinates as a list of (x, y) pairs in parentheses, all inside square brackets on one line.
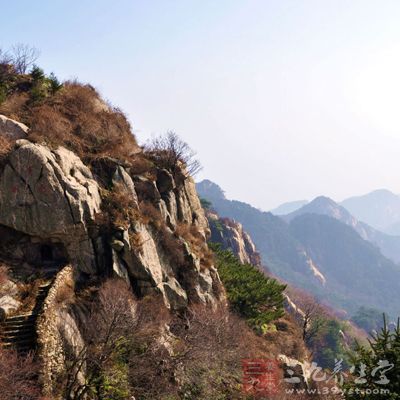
[(23, 57), (170, 150), (103, 358), (251, 293)]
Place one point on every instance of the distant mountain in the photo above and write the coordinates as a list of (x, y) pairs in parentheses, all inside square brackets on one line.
[(389, 245), (354, 269), (379, 209), (289, 207), (318, 253)]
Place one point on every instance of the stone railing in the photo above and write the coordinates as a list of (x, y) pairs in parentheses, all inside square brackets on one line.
[(50, 344)]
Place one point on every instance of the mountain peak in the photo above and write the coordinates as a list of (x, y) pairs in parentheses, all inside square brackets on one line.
[(321, 205), (380, 209), (210, 190)]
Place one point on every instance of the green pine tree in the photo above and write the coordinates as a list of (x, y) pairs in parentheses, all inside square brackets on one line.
[(384, 348), (251, 293)]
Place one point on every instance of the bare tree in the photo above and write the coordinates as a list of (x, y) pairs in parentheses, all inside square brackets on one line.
[(312, 320), (5, 57), (111, 322), (23, 57), (169, 151), (18, 378)]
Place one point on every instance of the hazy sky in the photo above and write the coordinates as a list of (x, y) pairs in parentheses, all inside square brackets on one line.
[(282, 100)]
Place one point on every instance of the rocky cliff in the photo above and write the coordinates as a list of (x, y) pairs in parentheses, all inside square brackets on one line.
[(231, 235), (102, 220)]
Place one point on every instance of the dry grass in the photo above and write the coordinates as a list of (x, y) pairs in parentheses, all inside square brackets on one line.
[(119, 208), (201, 353), (150, 215), (13, 105), (27, 295), (4, 277), (78, 119), (191, 234), (136, 241), (5, 148)]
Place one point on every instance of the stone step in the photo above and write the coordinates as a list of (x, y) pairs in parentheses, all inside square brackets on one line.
[(19, 343), (21, 318), (12, 330), (16, 336)]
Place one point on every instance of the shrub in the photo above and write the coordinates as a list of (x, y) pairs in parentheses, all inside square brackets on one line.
[(119, 207), (18, 378), (384, 347), (170, 152), (250, 292), (198, 245)]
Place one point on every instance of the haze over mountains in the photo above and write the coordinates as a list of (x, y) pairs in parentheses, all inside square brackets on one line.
[(323, 248), (379, 209)]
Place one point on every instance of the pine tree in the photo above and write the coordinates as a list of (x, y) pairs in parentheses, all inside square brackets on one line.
[(251, 293), (384, 349)]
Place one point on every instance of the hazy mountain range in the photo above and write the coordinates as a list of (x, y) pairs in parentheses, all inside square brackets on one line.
[(323, 248), (379, 209)]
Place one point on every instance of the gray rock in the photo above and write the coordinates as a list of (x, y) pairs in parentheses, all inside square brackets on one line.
[(12, 129), (50, 194), (8, 304), (117, 245), (174, 296)]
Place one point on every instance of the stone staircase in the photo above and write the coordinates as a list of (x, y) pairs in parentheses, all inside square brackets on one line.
[(19, 331)]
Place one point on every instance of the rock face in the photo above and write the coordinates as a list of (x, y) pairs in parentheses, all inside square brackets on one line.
[(50, 195), (52, 198), (230, 235), (148, 263), (51, 209), (12, 129)]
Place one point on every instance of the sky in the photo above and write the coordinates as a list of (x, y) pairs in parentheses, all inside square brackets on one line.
[(282, 100)]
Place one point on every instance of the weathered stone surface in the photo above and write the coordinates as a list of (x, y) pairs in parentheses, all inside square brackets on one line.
[(189, 207), (293, 368), (122, 177), (12, 129), (174, 296), (50, 194), (8, 288), (165, 181), (117, 245), (9, 304), (230, 235)]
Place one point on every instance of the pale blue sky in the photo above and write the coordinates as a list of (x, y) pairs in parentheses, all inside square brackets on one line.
[(283, 100)]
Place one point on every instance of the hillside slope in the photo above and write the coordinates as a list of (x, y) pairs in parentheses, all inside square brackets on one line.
[(389, 245), (379, 209), (310, 252)]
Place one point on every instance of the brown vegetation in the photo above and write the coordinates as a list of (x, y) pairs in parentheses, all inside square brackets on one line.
[(5, 147), (191, 234), (3, 274), (77, 118), (118, 207), (170, 152), (18, 378)]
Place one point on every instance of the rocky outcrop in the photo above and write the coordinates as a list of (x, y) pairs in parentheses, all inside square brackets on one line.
[(230, 235), (12, 129), (147, 264), (50, 195)]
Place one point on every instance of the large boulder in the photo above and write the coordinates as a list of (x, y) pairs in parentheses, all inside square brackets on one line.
[(50, 195), (12, 129), (8, 305)]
